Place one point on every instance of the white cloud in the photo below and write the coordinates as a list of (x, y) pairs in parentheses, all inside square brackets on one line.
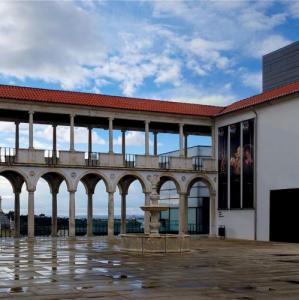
[(253, 80)]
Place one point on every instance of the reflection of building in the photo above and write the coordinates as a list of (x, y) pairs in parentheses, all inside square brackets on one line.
[(198, 200), (4, 221)]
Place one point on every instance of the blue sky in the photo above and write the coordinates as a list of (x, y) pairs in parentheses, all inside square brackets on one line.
[(195, 51)]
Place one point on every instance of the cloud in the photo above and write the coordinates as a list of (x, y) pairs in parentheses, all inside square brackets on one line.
[(253, 80)]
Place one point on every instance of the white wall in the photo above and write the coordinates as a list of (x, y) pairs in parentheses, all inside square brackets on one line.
[(239, 224)]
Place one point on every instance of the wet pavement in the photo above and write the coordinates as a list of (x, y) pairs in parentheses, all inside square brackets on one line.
[(92, 268)]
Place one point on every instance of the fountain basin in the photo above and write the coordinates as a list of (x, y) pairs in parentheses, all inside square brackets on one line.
[(163, 243)]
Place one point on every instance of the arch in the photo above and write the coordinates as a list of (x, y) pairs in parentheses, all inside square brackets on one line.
[(124, 181), (43, 174), (165, 178), (200, 178), (98, 175), (16, 178)]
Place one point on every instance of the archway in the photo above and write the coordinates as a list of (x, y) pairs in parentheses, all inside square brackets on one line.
[(168, 189), (132, 218)]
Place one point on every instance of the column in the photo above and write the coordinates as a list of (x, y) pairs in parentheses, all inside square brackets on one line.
[(183, 212), (31, 129), (155, 143), (89, 214), (213, 132), (186, 146), (123, 142), (146, 136), (54, 214), (110, 135), (54, 140), (123, 219), (89, 142), (111, 215), (181, 139), (146, 214), (72, 219), (213, 212), (17, 138), (17, 214), (72, 133), (30, 220)]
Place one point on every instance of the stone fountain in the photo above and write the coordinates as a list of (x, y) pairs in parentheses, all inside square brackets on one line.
[(154, 242)]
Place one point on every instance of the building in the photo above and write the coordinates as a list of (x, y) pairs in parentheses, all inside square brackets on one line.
[(252, 173)]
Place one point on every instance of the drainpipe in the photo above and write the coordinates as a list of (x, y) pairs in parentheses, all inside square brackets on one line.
[(255, 174)]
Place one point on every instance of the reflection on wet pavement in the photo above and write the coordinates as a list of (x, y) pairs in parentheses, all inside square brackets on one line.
[(93, 268)]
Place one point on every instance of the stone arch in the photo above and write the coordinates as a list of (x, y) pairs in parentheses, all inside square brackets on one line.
[(168, 177), (43, 174), (16, 178), (200, 178), (99, 176), (130, 177)]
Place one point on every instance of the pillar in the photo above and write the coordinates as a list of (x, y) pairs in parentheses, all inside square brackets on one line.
[(72, 133), (54, 140), (30, 220), (89, 214), (146, 214), (213, 231), (183, 212), (54, 214), (31, 129), (213, 132), (155, 143), (111, 215), (89, 142), (110, 135), (72, 219), (146, 136), (123, 142), (17, 138), (186, 146), (181, 139), (123, 219), (17, 214)]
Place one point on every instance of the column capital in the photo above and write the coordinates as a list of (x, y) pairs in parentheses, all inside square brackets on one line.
[(17, 122), (181, 124), (72, 115), (110, 118), (147, 121), (183, 193), (31, 112), (72, 190), (123, 130), (31, 190)]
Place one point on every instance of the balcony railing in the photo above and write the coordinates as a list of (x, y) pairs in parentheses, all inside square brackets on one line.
[(9, 156)]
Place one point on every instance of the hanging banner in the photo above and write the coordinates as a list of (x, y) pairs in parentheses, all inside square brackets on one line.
[(235, 166), (248, 163), (222, 167)]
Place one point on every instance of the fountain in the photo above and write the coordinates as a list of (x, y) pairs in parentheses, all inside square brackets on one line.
[(154, 242)]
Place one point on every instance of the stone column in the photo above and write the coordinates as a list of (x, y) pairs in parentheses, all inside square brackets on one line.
[(54, 214), (183, 214), (213, 132), (123, 142), (110, 215), (72, 217), (186, 146), (146, 213), (155, 143), (111, 135), (213, 231), (31, 129), (17, 138), (17, 214), (72, 133), (89, 214), (123, 220), (181, 140), (146, 136), (89, 142), (30, 220), (54, 140)]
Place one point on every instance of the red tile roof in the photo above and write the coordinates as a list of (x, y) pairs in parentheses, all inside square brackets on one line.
[(263, 97), (97, 100), (105, 101)]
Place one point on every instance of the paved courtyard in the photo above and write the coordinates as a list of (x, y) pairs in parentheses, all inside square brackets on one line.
[(92, 268)]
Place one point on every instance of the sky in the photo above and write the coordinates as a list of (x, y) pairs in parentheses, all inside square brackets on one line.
[(195, 51)]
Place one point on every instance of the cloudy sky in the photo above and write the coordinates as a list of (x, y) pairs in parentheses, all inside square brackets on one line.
[(195, 51)]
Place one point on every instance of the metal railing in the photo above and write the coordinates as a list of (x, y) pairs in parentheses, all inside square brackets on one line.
[(164, 162), (197, 163), (130, 160), (51, 157), (7, 155)]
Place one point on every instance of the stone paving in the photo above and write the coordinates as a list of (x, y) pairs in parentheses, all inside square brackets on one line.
[(92, 268)]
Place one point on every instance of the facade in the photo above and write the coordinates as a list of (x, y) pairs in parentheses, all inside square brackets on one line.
[(250, 175)]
